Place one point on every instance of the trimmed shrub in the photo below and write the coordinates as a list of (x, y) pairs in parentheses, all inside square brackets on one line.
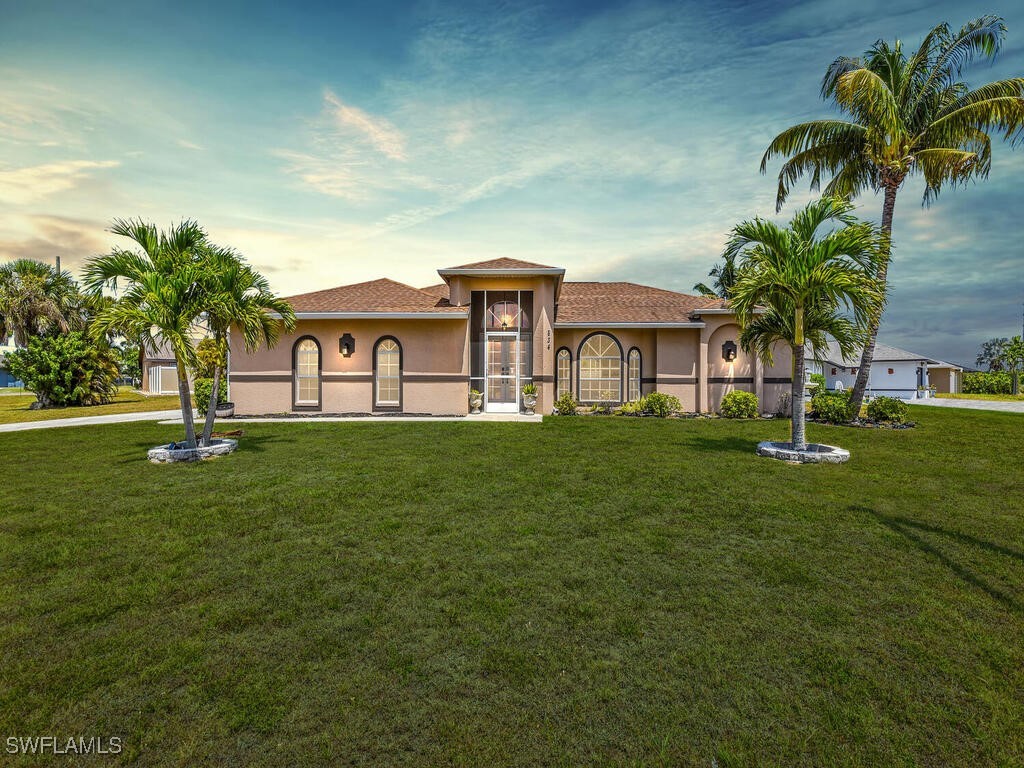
[(68, 369), (987, 383), (566, 405), (818, 380), (739, 405), (661, 405), (633, 408), (201, 391), (890, 409), (833, 407)]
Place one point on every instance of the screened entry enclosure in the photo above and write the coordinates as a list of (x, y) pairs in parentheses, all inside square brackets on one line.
[(501, 344)]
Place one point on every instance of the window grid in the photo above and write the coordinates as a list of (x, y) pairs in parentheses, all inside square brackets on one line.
[(634, 374), (307, 373), (564, 372), (388, 373), (600, 370)]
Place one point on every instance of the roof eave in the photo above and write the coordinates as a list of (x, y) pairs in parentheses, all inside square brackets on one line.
[(459, 315), (620, 324)]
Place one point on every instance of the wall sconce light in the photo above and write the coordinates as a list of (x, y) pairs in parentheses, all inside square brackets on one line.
[(729, 351), (346, 345)]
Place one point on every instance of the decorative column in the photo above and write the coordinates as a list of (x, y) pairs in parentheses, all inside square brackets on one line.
[(702, 373)]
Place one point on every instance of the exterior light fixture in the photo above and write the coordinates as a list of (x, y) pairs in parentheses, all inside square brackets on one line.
[(729, 351), (346, 345)]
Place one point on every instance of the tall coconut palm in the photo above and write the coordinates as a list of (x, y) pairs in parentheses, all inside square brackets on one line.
[(163, 294), (238, 296), (723, 278), (904, 116), (799, 285), (34, 299)]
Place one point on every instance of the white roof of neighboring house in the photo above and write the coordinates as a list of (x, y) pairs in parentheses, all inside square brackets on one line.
[(883, 353)]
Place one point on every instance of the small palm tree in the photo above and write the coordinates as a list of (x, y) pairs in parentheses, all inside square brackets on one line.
[(794, 285), (723, 278), (905, 115), (35, 299), (163, 294), (238, 296)]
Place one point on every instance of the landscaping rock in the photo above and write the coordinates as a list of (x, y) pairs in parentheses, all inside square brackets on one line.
[(165, 454), (815, 453)]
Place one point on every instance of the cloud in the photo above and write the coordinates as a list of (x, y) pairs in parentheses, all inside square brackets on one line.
[(184, 144), (384, 137), (44, 238), (32, 183)]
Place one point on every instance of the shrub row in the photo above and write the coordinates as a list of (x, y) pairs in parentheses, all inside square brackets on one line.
[(987, 383)]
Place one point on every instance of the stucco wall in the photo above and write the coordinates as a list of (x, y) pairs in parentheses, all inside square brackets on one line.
[(435, 367)]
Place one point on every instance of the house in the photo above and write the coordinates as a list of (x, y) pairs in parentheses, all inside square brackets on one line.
[(158, 366), (895, 372), (6, 379), (494, 326)]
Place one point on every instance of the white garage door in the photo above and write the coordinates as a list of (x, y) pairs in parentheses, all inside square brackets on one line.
[(163, 379)]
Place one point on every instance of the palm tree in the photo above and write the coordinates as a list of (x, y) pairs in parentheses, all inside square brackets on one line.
[(795, 284), (724, 277), (35, 299), (163, 295), (237, 295), (904, 116)]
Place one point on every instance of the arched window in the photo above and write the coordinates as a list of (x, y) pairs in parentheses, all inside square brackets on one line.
[(600, 369), (506, 315), (563, 372), (634, 375), (306, 365), (387, 374)]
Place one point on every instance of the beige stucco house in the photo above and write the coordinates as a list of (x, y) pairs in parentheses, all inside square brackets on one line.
[(494, 326)]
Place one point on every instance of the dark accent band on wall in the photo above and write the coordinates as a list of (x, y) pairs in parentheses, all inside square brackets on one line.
[(672, 380), (547, 379), (778, 380), (435, 378), (253, 377), (726, 380), (357, 378)]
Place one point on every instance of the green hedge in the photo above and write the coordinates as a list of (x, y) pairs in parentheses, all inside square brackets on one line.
[(739, 405), (988, 383), (202, 389), (890, 409), (833, 407)]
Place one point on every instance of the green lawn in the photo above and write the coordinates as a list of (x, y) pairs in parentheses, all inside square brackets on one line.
[(586, 591), (15, 408), (1001, 398)]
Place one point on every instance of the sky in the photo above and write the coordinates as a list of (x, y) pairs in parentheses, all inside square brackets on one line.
[(337, 142)]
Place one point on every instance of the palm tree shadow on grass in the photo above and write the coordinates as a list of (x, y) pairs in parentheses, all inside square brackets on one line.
[(911, 530)]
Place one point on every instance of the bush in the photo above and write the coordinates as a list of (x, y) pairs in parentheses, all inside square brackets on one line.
[(201, 391), (818, 380), (739, 405), (566, 405), (67, 369), (833, 407), (987, 383), (890, 409), (633, 408), (209, 354), (661, 405)]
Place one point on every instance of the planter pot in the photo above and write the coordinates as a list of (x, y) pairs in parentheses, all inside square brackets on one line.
[(475, 401), (529, 403), (224, 410)]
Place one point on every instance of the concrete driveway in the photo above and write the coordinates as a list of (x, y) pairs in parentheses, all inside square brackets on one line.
[(977, 405)]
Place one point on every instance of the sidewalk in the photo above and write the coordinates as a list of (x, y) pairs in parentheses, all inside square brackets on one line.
[(85, 421)]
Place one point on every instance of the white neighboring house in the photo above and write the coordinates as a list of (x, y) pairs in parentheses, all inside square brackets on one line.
[(6, 379), (894, 372)]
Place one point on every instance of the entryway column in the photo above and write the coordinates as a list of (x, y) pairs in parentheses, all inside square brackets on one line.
[(759, 382), (702, 373)]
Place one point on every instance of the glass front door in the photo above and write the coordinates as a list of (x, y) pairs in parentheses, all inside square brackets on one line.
[(502, 372)]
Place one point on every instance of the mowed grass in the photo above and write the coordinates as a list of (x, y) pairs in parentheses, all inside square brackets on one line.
[(15, 407), (604, 591)]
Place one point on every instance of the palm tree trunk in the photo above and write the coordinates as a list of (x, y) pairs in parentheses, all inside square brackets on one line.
[(864, 372), (799, 434), (211, 409), (186, 405)]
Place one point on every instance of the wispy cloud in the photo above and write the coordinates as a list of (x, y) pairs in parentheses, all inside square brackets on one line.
[(185, 144), (351, 120), (31, 183)]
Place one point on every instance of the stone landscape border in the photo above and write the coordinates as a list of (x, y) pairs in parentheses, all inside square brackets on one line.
[(164, 454), (814, 453)]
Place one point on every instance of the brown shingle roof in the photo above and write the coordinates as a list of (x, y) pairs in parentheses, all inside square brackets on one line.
[(502, 263), (440, 291), (373, 296), (624, 303)]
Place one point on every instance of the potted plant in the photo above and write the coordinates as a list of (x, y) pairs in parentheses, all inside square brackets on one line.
[(529, 398), (225, 409), (475, 401)]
